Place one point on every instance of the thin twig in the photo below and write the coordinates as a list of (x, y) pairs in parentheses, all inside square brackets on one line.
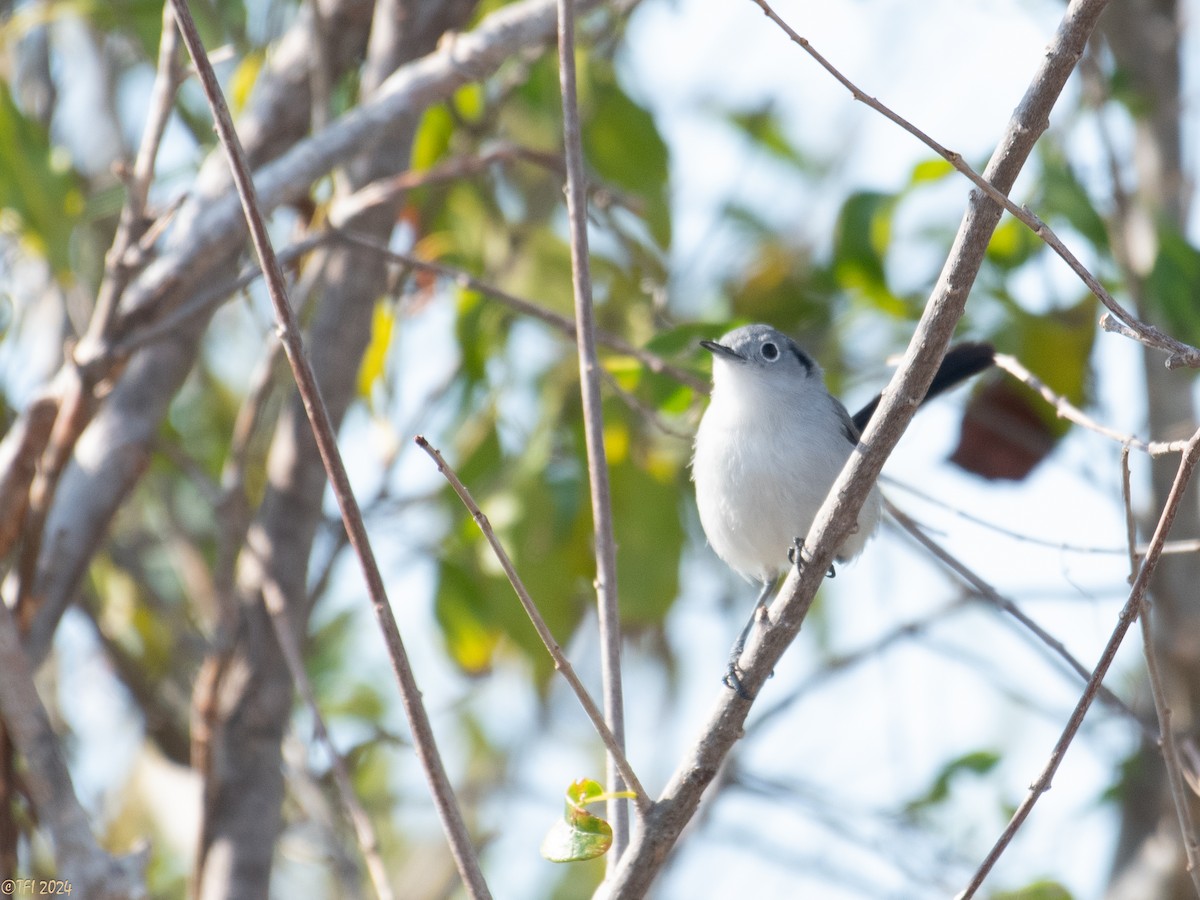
[(1166, 736), (123, 256), (646, 412), (607, 605), (566, 326), (1183, 545), (1130, 519), (991, 595), (1128, 613), (1066, 410), (561, 663), (844, 662), (424, 743), (387, 190), (1118, 318)]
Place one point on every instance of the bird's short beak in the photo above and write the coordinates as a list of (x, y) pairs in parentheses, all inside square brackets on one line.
[(721, 350)]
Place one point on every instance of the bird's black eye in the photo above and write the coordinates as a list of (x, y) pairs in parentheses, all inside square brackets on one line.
[(769, 352)]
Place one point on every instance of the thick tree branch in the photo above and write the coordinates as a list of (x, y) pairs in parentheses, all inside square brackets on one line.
[(81, 861), (110, 455), (203, 237)]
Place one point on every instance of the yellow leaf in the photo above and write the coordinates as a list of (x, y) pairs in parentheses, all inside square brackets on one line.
[(374, 359), (244, 78)]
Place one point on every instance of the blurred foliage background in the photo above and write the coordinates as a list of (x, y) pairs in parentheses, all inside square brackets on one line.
[(841, 260)]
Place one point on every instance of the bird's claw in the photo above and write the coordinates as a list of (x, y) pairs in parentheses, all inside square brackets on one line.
[(795, 556)]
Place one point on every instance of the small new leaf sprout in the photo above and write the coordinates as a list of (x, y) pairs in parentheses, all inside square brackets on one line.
[(579, 835)]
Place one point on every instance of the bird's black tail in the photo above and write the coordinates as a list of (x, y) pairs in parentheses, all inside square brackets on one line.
[(961, 362)]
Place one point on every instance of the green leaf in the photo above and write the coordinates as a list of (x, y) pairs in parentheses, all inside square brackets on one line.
[(244, 78), (864, 231), (1056, 347), (40, 196), (930, 170), (763, 127), (1012, 245), (622, 143), (373, 367), (779, 284), (650, 536), (979, 762), (142, 18), (463, 610), (579, 835), (432, 139), (1039, 890), (1174, 284)]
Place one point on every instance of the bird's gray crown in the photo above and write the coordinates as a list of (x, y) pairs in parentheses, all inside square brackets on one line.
[(760, 346)]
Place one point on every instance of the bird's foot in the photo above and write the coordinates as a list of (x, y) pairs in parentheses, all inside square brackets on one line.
[(796, 557)]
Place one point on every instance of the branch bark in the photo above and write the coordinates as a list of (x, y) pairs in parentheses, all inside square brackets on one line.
[(113, 450), (81, 861)]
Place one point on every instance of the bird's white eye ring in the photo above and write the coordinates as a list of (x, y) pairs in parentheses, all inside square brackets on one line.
[(769, 352)]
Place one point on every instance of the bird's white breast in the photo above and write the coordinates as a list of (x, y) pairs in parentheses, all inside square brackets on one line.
[(763, 465)]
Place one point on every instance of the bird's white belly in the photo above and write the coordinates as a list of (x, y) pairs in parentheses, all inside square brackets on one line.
[(756, 496)]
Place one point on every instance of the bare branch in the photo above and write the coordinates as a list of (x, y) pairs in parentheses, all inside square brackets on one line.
[(607, 606), (467, 57), (1117, 319), (1169, 548), (276, 603), (1166, 735), (326, 439), (1128, 613), (20, 450), (991, 595), (561, 663), (124, 254), (1066, 410), (391, 187), (203, 241)]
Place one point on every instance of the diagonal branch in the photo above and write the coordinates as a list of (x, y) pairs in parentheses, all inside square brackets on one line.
[(561, 663), (1129, 613), (1118, 319), (561, 323), (991, 595), (1165, 738)]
